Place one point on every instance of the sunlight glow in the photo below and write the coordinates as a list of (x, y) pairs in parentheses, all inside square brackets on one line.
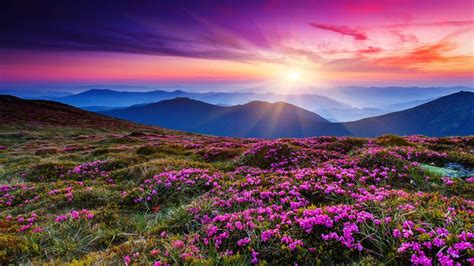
[(294, 75)]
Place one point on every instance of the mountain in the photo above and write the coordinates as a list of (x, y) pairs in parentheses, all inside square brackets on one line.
[(35, 94), (449, 115), (311, 102), (98, 108), (445, 116), (343, 115), (403, 105), (112, 98), (382, 96), (16, 112), (254, 119)]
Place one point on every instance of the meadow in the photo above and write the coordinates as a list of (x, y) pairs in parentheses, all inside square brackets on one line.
[(149, 196)]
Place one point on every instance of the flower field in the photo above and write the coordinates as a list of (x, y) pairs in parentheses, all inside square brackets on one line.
[(163, 198)]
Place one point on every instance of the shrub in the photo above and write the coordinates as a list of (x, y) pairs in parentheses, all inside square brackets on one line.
[(147, 150), (48, 171), (268, 154), (212, 154), (391, 140)]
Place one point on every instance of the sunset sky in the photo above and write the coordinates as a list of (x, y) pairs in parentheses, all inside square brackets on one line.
[(285, 44)]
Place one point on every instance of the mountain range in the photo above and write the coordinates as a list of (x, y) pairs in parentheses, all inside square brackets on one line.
[(448, 115), (335, 104), (254, 119)]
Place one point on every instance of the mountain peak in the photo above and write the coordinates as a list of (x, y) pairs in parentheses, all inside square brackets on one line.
[(461, 93), (97, 91)]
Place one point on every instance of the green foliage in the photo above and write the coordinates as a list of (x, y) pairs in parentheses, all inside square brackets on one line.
[(391, 140), (48, 171), (147, 150)]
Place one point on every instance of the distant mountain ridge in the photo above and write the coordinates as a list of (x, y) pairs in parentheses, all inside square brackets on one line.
[(254, 119), (448, 115), (111, 98), (335, 104)]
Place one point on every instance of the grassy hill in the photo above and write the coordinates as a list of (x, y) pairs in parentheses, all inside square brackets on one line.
[(84, 189)]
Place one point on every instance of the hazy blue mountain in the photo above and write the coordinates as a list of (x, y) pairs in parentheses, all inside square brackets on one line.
[(307, 101), (344, 115), (449, 115), (382, 96), (111, 98), (371, 101), (347, 115), (403, 105), (98, 108), (254, 119), (446, 116), (35, 94)]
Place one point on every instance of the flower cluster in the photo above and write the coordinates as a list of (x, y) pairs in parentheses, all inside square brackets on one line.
[(425, 244), (26, 223), (88, 170), (17, 195), (75, 215), (188, 180)]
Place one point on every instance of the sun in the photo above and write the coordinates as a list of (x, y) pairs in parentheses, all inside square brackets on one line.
[(294, 78), (294, 75)]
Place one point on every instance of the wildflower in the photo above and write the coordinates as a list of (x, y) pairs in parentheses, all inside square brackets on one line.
[(61, 218), (254, 257), (243, 241), (127, 259)]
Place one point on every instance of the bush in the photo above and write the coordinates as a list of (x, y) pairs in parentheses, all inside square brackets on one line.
[(48, 171), (147, 150), (268, 154), (391, 140)]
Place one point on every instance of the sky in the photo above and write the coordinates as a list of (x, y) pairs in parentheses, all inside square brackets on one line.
[(273, 45)]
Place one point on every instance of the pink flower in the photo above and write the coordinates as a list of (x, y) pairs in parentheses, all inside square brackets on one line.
[(266, 235), (61, 218), (127, 260), (74, 214), (243, 241), (254, 257), (177, 244), (37, 230)]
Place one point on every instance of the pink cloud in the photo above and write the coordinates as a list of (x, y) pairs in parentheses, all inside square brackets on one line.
[(357, 34), (405, 38), (461, 23)]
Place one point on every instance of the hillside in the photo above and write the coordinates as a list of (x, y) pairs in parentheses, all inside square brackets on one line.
[(254, 119), (16, 112), (449, 115), (126, 196)]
